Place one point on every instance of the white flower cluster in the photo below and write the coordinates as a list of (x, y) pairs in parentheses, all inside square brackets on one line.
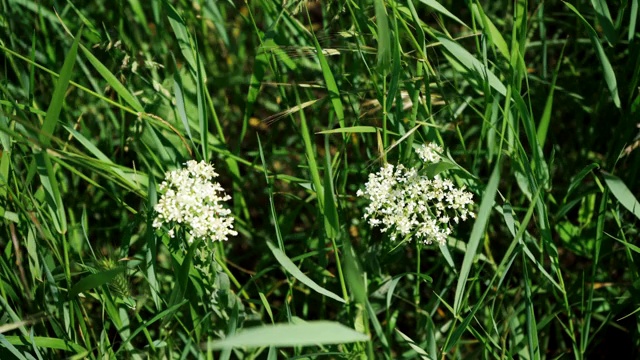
[(191, 199), (405, 203)]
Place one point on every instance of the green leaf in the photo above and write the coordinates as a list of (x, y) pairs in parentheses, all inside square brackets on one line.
[(472, 64), (476, 235), (94, 280), (384, 35), (113, 82), (57, 99), (622, 193), (350, 129), (46, 342), (286, 335), (441, 9), (491, 30), (52, 191), (292, 269), (609, 74), (604, 17), (330, 81)]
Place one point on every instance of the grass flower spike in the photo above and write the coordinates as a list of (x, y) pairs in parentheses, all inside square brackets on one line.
[(191, 199), (404, 203)]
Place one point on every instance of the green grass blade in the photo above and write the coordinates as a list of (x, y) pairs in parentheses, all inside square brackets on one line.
[(472, 64), (543, 126), (476, 236), (286, 335), (491, 30), (604, 18), (52, 189), (57, 99), (351, 130), (441, 9), (330, 81), (622, 193), (533, 346), (12, 349), (292, 269), (113, 81), (383, 36), (609, 74), (633, 18), (46, 342), (94, 280)]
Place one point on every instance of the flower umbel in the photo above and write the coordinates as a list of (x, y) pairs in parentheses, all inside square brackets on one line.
[(191, 199), (405, 203)]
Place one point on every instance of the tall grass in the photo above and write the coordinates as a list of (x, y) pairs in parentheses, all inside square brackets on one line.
[(295, 103)]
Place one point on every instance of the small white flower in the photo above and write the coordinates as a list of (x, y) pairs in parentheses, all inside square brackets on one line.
[(191, 199), (429, 153), (404, 203)]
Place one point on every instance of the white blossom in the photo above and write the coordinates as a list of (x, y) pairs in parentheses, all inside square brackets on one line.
[(429, 153), (406, 204), (191, 199)]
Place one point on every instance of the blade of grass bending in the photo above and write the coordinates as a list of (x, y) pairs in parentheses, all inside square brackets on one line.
[(57, 99), (113, 82), (94, 280), (286, 335), (441, 9), (412, 344), (622, 193), (182, 35), (330, 81), (471, 63), (604, 18), (476, 236), (609, 74), (292, 269)]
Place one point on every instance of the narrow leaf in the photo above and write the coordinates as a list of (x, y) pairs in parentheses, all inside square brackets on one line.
[(285, 335), (622, 193), (292, 269), (476, 236)]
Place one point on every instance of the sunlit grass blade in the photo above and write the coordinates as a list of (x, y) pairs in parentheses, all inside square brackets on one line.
[(622, 193), (477, 233), (292, 269), (47, 342), (285, 335)]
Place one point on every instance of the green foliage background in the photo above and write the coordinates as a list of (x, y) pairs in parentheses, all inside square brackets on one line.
[(295, 102)]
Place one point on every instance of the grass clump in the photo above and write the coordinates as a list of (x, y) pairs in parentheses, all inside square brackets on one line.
[(529, 108)]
